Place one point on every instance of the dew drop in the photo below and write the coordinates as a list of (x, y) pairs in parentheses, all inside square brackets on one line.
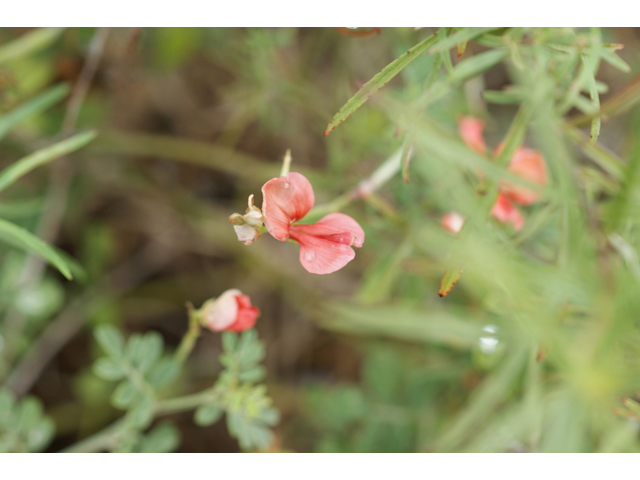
[(309, 256), (286, 184)]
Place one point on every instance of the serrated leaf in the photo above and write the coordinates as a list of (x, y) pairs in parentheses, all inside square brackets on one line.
[(45, 155), (21, 238), (449, 279), (163, 373), (108, 369), (32, 107), (124, 394), (110, 339), (379, 81), (208, 414)]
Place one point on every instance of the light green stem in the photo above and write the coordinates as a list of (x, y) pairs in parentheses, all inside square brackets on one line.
[(190, 338)]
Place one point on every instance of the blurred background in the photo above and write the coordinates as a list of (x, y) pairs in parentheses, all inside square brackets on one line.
[(535, 349)]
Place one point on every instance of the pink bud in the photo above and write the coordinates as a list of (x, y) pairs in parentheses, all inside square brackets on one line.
[(452, 222), (231, 311)]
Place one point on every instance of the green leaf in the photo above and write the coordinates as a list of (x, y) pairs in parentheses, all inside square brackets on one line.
[(29, 43), (150, 351), (397, 321), (379, 81), (252, 375), (163, 373), (164, 438), (208, 414), (461, 36), (110, 339), (108, 369), (34, 106), (21, 238), (449, 279), (23, 166), (229, 341), (142, 414), (124, 394)]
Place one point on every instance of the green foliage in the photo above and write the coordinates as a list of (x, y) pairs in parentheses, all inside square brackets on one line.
[(23, 425), (140, 367), (249, 410)]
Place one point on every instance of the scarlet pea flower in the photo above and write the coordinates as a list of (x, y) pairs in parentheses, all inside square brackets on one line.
[(232, 311), (526, 163), (325, 246)]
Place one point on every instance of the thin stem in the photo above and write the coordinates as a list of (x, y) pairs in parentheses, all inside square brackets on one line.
[(109, 435), (190, 338)]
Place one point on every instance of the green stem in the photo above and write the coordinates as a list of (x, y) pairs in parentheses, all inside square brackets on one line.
[(109, 435), (190, 338)]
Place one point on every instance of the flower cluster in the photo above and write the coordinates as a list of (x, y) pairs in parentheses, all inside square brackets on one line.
[(526, 163), (325, 246)]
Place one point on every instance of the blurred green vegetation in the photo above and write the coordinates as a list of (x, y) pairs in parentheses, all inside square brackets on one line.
[(536, 348)]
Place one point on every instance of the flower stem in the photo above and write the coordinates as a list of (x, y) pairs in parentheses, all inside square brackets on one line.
[(286, 163), (189, 339)]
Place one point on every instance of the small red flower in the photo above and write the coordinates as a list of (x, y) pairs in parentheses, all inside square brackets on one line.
[(232, 311), (325, 246), (526, 163)]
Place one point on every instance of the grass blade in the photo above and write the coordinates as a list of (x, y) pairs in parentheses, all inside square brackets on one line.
[(21, 238), (28, 43), (379, 81), (32, 107), (23, 166)]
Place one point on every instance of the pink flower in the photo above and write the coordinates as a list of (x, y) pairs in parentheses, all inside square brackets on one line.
[(526, 163), (232, 311), (325, 246), (470, 129), (452, 222)]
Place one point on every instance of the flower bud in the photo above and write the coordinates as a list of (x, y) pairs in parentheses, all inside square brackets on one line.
[(247, 226), (452, 222), (231, 311)]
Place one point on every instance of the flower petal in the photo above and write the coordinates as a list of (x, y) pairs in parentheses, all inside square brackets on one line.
[(470, 129), (284, 201), (320, 255), (247, 315), (506, 212), (219, 314), (336, 227), (530, 165)]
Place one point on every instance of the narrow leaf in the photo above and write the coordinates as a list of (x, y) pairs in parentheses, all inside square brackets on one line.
[(21, 238), (34, 106), (449, 279), (379, 81), (29, 43), (23, 166), (461, 36)]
